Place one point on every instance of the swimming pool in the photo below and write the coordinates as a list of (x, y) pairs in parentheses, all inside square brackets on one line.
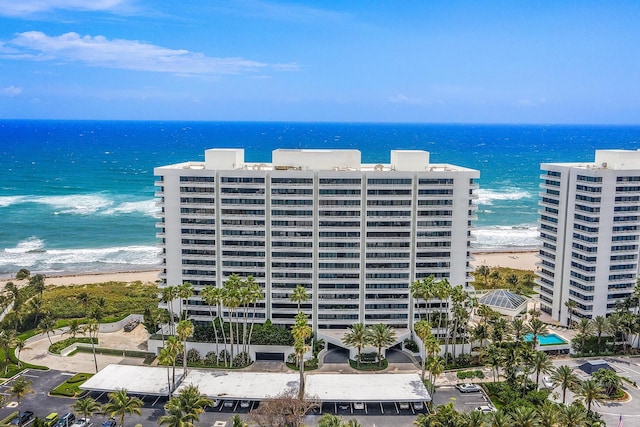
[(549, 339)]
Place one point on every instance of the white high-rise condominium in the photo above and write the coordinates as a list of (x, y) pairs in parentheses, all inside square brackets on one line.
[(589, 234), (354, 235)]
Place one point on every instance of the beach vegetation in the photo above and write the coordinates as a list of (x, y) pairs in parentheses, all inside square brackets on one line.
[(516, 280)]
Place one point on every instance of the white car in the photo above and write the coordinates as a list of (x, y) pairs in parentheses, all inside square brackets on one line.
[(358, 406), (403, 405), (229, 403), (245, 403), (418, 406), (469, 388), (547, 382), (215, 403), (82, 422), (485, 408)]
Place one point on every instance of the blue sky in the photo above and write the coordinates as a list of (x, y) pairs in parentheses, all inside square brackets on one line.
[(372, 61)]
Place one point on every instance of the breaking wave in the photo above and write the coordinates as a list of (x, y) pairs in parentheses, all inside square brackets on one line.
[(487, 197), (85, 204)]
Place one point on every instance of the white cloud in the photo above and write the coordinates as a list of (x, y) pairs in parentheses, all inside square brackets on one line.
[(21, 8), (98, 51), (12, 91), (404, 99)]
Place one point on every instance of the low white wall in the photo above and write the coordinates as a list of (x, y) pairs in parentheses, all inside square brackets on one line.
[(116, 326), (155, 345)]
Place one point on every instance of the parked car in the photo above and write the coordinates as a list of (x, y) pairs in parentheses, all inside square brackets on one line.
[(343, 406), (418, 406), (51, 419), (403, 405), (358, 406), (66, 420), (111, 422), (547, 382), (229, 403), (485, 408), (245, 403), (22, 418), (216, 403), (468, 388), (82, 422)]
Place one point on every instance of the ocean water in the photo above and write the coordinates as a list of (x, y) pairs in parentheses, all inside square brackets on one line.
[(77, 196)]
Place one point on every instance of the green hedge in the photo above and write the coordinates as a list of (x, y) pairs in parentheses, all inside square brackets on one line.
[(57, 347), (71, 387), (369, 366)]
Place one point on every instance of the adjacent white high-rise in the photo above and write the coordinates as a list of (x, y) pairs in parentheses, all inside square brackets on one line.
[(355, 235), (589, 234)]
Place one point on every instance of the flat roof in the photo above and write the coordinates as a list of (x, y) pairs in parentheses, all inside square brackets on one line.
[(366, 388), (149, 380), (240, 385)]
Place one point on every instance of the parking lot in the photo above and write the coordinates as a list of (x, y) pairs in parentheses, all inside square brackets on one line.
[(462, 402)]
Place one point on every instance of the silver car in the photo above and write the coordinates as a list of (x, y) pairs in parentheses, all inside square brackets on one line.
[(469, 388)]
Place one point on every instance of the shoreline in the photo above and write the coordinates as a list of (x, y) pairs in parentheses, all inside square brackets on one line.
[(518, 259)]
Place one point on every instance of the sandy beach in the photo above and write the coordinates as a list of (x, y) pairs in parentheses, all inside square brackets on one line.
[(82, 279), (519, 260)]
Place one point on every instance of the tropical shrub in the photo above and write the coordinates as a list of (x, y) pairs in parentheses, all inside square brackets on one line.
[(211, 359), (193, 356)]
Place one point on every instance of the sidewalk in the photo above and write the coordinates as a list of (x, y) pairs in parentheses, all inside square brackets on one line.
[(37, 352)]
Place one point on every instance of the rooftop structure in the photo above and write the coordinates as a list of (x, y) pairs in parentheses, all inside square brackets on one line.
[(504, 302), (354, 235), (589, 234)]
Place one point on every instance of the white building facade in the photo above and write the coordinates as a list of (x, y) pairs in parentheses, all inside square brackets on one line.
[(354, 235), (589, 234)]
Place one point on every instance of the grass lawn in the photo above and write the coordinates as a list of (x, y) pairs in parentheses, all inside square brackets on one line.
[(71, 387)]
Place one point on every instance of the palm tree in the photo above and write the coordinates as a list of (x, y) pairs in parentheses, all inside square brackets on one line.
[(185, 291), (301, 331), (492, 356), (381, 336), (609, 380), (168, 295), (573, 416), (210, 296), (524, 416), (571, 305), (419, 291), (356, 336), (74, 328), (474, 419), (86, 407), (299, 295), (564, 377), (541, 364), (436, 367), (184, 330), (19, 389), (92, 328), (173, 417), (483, 271), (584, 329), (600, 326), (167, 358), (189, 402), (589, 392), (537, 328), (47, 326), (174, 347), (422, 329), (7, 340), (20, 345), (500, 419), (519, 330), (35, 306), (330, 420), (120, 404), (231, 300), (236, 421), (548, 414)]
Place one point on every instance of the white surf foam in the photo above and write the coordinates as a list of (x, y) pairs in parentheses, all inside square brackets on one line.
[(76, 204), (144, 207), (10, 200), (524, 236), (486, 197), (33, 255)]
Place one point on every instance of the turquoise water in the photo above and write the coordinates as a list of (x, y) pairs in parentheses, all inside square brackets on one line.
[(78, 196), (549, 339)]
